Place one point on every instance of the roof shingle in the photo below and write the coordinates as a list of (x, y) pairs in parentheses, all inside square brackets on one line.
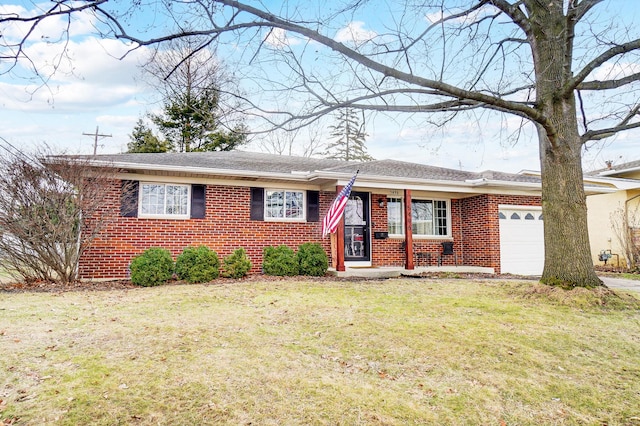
[(242, 161)]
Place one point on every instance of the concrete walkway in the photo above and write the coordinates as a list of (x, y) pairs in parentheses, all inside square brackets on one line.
[(390, 272), (393, 272)]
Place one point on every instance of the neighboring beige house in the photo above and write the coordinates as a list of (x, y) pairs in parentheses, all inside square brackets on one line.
[(614, 217)]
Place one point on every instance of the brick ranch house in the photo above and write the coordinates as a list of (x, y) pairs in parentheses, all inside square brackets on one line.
[(399, 214)]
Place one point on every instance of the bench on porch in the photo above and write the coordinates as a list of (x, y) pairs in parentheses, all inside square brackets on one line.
[(422, 257)]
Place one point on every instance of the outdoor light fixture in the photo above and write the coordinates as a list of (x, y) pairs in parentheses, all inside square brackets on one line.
[(381, 202)]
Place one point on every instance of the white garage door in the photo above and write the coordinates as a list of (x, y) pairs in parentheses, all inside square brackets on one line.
[(521, 240)]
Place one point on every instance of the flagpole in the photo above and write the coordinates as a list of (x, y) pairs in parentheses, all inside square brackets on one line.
[(333, 222)]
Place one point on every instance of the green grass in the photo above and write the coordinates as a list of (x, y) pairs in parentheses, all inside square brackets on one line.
[(625, 275), (630, 276), (395, 352)]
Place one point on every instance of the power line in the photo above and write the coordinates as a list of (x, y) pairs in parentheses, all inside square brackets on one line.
[(96, 135)]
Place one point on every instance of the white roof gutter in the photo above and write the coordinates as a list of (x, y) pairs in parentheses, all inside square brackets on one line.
[(615, 172)]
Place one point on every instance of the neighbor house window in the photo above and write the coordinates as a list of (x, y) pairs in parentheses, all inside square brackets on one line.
[(284, 205), (429, 217), (164, 200), (394, 216)]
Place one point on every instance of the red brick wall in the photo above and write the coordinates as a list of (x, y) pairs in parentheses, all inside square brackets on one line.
[(480, 230), (474, 224), (475, 230), (391, 252), (226, 227)]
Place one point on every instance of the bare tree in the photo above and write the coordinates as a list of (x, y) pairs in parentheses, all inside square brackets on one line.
[(559, 65), (50, 213), (190, 78), (625, 223), (305, 142)]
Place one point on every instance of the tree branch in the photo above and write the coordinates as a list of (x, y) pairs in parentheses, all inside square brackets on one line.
[(608, 84), (440, 87), (625, 124), (617, 50)]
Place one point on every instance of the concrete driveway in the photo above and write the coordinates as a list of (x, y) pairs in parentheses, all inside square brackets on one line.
[(621, 283)]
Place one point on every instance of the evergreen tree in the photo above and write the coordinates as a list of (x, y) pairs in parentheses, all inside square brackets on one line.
[(142, 139), (349, 135), (190, 123), (190, 78)]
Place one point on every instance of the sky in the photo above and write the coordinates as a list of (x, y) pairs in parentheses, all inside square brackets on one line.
[(100, 91)]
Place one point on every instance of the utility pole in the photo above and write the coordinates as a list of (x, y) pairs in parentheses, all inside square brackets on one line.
[(95, 141)]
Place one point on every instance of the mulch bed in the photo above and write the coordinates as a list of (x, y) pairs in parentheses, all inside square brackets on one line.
[(49, 287)]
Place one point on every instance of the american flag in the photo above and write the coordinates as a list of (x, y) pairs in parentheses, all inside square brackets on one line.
[(331, 220)]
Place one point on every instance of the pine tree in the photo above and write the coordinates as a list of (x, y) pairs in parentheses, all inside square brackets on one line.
[(142, 139), (349, 135), (195, 115), (190, 122)]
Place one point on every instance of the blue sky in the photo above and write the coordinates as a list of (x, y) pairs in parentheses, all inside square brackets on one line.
[(101, 90)]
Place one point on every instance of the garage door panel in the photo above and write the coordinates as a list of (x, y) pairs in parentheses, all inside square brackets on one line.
[(521, 240)]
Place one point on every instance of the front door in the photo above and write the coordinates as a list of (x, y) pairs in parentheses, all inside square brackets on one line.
[(356, 228)]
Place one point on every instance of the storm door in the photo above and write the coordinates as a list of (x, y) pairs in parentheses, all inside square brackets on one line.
[(356, 228)]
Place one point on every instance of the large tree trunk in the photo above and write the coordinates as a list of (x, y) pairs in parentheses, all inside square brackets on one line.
[(563, 199), (566, 237)]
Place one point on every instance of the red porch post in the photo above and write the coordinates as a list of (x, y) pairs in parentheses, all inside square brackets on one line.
[(408, 232), (340, 246), (340, 241)]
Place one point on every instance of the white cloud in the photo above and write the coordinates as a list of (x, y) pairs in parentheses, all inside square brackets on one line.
[(53, 28), (278, 38), (355, 33), (615, 70), (68, 97), (90, 77)]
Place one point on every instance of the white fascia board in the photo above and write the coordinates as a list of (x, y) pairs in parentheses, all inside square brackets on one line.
[(297, 176), (593, 190), (618, 183), (502, 184), (533, 186), (391, 182)]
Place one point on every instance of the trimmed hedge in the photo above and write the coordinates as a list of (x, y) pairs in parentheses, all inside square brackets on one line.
[(153, 267), (312, 260), (237, 264), (279, 261), (197, 265)]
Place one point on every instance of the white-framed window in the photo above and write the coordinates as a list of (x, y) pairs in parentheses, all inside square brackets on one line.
[(394, 216), (429, 218), (282, 204), (164, 200)]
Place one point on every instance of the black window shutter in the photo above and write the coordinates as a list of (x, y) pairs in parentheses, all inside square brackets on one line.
[(129, 198), (198, 201), (313, 206), (257, 204)]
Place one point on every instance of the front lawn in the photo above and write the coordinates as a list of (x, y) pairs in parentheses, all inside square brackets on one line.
[(392, 352)]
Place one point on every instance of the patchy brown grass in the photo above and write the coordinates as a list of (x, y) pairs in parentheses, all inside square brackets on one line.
[(578, 297), (394, 352)]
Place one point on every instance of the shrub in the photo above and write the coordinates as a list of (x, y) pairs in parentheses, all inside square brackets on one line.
[(279, 261), (237, 264), (153, 267), (312, 260), (198, 265)]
